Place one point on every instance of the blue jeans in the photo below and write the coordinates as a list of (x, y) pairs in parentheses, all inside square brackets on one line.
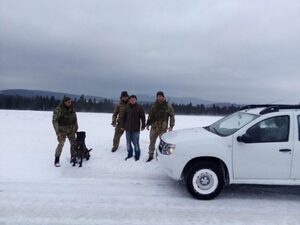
[(134, 138)]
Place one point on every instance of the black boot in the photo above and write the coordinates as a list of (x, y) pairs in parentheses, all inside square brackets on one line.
[(150, 158), (56, 162), (128, 157), (73, 160)]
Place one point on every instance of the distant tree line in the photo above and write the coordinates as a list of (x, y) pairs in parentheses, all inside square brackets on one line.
[(42, 103), (190, 109)]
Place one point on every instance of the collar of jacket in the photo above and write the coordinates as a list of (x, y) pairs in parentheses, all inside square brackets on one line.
[(132, 105), (67, 108), (160, 103)]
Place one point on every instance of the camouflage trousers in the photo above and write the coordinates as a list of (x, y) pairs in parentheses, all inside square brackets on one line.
[(117, 136), (154, 134), (61, 141)]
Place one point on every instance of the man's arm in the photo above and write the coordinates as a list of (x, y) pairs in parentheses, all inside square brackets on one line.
[(143, 118), (123, 119), (150, 117), (172, 117), (115, 116), (55, 117), (76, 124)]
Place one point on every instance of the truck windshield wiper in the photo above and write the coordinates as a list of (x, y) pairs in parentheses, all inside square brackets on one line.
[(216, 131)]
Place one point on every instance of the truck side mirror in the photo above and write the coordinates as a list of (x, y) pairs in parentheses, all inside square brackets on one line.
[(245, 138)]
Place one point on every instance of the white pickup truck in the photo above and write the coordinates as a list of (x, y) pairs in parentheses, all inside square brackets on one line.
[(260, 144)]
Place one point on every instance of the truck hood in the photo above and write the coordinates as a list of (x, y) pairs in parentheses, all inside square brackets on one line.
[(187, 135)]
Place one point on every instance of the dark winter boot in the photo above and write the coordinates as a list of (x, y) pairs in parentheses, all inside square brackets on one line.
[(73, 160), (128, 157), (150, 158), (114, 149), (56, 162)]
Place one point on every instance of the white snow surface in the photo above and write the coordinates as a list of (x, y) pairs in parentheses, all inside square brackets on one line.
[(108, 189)]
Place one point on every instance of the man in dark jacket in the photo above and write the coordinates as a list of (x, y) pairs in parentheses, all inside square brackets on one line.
[(117, 115), (65, 124), (160, 114), (133, 122)]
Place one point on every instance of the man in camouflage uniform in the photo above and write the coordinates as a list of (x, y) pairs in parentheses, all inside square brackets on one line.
[(117, 119), (159, 115), (65, 125)]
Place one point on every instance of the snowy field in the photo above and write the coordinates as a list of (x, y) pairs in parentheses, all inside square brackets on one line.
[(109, 190)]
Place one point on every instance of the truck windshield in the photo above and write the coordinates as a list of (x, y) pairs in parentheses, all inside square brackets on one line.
[(232, 123)]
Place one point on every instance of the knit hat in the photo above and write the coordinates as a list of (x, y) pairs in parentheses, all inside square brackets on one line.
[(160, 93), (66, 98), (133, 96), (124, 94)]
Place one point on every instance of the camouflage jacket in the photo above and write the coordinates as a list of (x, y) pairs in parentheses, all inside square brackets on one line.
[(159, 115), (64, 119), (118, 113)]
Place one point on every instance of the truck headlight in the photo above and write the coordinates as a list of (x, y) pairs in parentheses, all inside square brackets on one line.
[(166, 148), (169, 150)]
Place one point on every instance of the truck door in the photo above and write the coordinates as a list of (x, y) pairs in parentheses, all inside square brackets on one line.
[(267, 154), (296, 158)]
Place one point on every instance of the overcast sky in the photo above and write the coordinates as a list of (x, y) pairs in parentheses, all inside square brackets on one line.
[(226, 50)]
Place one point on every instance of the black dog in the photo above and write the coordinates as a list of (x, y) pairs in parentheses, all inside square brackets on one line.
[(81, 151)]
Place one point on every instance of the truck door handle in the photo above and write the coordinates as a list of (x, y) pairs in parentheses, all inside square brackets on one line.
[(285, 150)]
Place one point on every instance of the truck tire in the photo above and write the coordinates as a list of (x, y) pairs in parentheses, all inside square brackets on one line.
[(204, 180)]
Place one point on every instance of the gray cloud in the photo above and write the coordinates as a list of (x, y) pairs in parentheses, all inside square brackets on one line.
[(241, 51)]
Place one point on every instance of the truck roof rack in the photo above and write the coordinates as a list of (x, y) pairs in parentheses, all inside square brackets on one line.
[(270, 108)]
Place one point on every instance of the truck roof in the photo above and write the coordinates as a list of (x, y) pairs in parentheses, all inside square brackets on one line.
[(264, 109)]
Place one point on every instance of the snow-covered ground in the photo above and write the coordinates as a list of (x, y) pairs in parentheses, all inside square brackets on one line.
[(109, 190)]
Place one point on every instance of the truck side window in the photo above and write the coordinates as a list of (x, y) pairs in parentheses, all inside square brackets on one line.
[(275, 129)]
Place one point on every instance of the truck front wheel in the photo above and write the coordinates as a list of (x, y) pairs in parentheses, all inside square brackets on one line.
[(204, 180)]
